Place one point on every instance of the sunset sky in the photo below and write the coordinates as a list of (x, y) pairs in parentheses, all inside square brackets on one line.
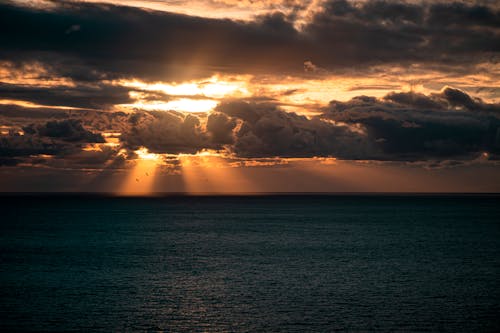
[(230, 96)]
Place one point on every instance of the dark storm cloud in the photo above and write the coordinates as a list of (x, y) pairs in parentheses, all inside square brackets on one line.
[(116, 41), (19, 146), (389, 31), (54, 138), (70, 130), (411, 126)]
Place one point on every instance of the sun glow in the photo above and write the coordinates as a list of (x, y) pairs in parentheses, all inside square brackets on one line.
[(183, 104), (144, 154), (140, 178), (192, 96), (191, 105), (213, 87)]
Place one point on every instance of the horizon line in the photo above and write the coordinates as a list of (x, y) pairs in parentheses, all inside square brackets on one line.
[(242, 194)]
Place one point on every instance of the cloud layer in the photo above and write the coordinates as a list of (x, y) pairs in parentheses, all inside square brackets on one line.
[(398, 127), (89, 42)]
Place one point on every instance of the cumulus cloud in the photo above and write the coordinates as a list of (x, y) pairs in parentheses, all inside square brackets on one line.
[(243, 129), (166, 132), (266, 130), (70, 130), (53, 138), (220, 126), (398, 127), (411, 126), (13, 147)]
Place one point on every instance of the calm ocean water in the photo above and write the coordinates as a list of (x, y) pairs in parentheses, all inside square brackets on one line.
[(250, 264)]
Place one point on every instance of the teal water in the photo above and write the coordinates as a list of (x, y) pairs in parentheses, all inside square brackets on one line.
[(250, 264)]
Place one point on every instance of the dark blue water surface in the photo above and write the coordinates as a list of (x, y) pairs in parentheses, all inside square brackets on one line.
[(250, 264)]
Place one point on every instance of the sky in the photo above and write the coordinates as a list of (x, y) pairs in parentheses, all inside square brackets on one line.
[(224, 96)]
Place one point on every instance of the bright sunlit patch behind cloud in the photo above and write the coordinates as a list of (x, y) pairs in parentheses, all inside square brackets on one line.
[(183, 104), (214, 87), (207, 92), (191, 105)]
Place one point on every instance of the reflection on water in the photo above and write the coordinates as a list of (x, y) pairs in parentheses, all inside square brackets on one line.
[(246, 264)]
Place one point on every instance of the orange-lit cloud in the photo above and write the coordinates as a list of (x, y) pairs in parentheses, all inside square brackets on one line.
[(27, 104), (31, 73), (233, 9), (305, 95)]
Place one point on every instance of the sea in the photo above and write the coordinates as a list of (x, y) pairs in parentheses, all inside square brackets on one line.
[(256, 263)]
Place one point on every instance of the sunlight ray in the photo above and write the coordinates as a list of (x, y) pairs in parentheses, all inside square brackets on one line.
[(141, 177), (210, 173)]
